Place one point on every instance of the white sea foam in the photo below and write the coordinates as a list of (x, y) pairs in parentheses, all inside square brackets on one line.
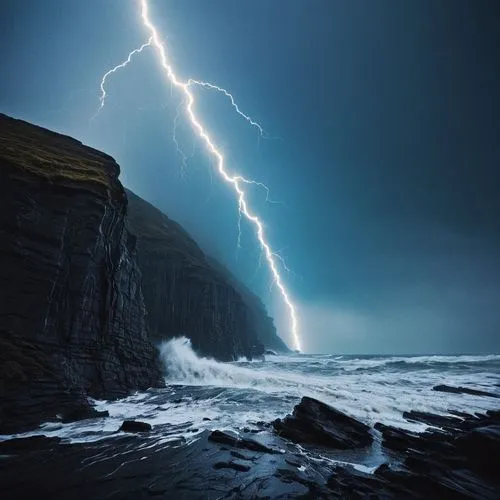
[(370, 397), (202, 393)]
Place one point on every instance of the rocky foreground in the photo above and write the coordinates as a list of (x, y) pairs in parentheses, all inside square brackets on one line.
[(300, 456)]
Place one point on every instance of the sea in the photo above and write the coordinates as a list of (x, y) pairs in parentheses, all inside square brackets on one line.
[(203, 394)]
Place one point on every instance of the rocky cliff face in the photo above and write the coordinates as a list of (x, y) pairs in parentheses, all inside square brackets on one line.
[(72, 314), (73, 270), (187, 293), (264, 324)]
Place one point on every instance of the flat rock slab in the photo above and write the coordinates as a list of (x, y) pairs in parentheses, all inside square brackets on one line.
[(450, 422), (237, 442), (464, 390), (233, 464)]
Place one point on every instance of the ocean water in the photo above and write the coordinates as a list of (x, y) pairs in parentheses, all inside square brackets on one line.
[(203, 394)]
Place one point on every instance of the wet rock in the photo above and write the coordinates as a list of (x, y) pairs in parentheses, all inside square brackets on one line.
[(261, 424), (314, 422), (481, 446), (28, 444), (456, 464), (314, 485), (236, 442), (82, 413), (241, 456), (293, 462), (135, 426), (432, 482), (493, 415), (382, 469), (460, 462), (233, 464), (461, 414), (434, 420), (463, 390), (401, 440)]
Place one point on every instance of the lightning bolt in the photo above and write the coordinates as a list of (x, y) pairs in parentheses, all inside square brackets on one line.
[(237, 182), (234, 104), (261, 185), (102, 98), (268, 200), (179, 150)]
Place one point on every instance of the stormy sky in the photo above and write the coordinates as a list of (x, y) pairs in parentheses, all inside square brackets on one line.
[(384, 157)]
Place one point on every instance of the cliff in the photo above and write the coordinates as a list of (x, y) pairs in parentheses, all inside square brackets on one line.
[(188, 293), (88, 279), (264, 324), (72, 314)]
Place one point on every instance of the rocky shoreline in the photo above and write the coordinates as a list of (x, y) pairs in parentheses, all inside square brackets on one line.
[(92, 278), (304, 455)]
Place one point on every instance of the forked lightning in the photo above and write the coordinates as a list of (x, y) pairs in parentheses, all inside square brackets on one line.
[(237, 182)]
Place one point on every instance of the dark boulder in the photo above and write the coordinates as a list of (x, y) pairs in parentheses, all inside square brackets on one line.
[(464, 390), (314, 422), (135, 426)]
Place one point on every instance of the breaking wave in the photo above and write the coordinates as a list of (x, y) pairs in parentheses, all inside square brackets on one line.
[(368, 388), (204, 394), (184, 366)]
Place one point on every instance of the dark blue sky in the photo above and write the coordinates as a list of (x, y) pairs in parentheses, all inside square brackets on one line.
[(386, 167)]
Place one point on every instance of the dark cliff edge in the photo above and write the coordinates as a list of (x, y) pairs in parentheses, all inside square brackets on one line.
[(190, 294), (72, 313)]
